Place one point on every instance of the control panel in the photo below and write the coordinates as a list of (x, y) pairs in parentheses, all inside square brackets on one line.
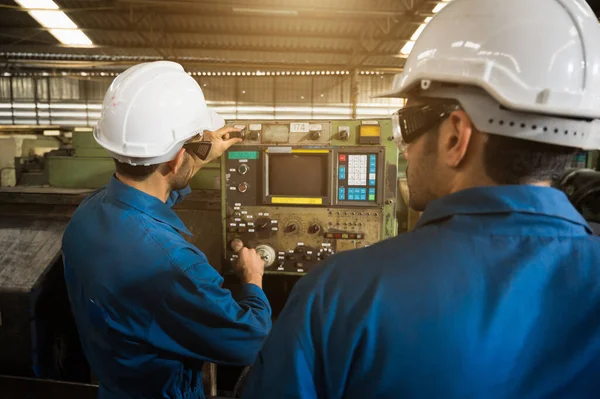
[(298, 192)]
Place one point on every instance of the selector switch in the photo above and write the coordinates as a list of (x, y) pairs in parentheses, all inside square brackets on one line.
[(344, 135), (266, 253), (314, 229), (243, 169), (262, 223), (291, 228), (252, 135)]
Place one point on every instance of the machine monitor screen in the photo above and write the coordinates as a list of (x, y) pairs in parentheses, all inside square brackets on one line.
[(298, 175)]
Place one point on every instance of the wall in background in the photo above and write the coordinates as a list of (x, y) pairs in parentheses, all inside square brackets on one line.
[(76, 100)]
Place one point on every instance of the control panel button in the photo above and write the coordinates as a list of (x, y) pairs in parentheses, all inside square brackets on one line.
[(236, 245), (308, 258), (243, 169), (342, 172), (342, 158), (243, 187), (342, 194)]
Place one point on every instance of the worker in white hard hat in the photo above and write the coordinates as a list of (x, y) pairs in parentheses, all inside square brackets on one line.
[(496, 292), (149, 307)]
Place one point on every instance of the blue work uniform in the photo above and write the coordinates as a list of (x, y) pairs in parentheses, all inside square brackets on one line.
[(149, 308), (495, 295)]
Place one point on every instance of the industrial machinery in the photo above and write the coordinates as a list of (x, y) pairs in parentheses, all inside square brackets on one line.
[(300, 191)]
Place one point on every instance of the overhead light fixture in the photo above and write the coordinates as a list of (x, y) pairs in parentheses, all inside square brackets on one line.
[(38, 4), (47, 14), (405, 51)]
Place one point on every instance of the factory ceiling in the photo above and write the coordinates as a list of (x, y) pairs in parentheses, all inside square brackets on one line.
[(217, 34)]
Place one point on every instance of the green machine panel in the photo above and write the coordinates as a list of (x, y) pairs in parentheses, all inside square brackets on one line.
[(92, 167)]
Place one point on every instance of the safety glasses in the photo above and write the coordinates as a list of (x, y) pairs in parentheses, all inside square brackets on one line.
[(198, 147), (412, 122)]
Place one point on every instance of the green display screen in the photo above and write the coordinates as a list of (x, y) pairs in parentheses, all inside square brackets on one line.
[(243, 155)]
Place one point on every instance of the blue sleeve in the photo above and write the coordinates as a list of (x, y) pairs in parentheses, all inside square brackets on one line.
[(177, 196), (288, 364), (200, 320)]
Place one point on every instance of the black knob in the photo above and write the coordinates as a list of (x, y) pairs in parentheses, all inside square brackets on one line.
[(292, 227), (344, 135), (314, 229), (243, 169), (262, 223), (315, 135), (237, 215), (252, 135)]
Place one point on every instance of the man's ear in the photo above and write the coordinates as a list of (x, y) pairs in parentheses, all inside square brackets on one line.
[(177, 163), (458, 135)]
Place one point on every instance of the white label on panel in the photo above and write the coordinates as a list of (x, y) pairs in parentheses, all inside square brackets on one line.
[(255, 127), (303, 127), (370, 122), (316, 127), (241, 127)]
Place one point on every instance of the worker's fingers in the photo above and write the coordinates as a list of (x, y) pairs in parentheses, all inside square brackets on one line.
[(226, 130), (230, 142)]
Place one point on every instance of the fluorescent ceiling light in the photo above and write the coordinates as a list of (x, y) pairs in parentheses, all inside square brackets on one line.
[(38, 4), (73, 37), (53, 19), (418, 32), (47, 13)]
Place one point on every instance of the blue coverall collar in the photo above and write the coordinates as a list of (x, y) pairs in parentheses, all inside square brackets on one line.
[(533, 200), (145, 203)]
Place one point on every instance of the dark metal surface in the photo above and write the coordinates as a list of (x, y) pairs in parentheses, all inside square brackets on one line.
[(33, 388), (28, 247)]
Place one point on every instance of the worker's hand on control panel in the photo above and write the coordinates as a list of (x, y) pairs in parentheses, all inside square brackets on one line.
[(250, 267), (221, 141)]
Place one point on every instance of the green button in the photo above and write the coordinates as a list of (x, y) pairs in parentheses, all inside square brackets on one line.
[(243, 155), (371, 197)]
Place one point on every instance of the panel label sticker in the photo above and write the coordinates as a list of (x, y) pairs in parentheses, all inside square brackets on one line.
[(299, 127)]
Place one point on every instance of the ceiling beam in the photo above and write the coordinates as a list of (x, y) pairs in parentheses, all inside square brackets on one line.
[(287, 11), (28, 64), (162, 46), (15, 29)]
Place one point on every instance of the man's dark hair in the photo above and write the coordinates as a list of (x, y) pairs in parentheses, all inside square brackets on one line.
[(137, 172), (508, 160)]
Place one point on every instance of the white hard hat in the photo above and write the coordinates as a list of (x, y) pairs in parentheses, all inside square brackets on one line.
[(150, 110), (523, 68)]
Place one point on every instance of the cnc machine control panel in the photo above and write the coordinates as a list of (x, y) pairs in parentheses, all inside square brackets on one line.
[(298, 192)]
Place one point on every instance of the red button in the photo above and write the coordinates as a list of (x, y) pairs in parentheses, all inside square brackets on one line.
[(342, 158)]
